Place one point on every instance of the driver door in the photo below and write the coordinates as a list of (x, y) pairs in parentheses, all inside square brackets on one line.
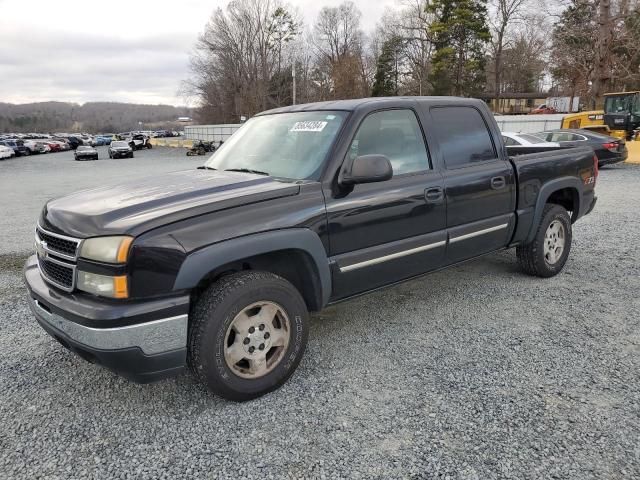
[(384, 232)]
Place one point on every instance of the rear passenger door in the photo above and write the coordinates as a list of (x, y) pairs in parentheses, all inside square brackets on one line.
[(479, 184)]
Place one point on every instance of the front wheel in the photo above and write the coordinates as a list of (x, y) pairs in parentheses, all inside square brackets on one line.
[(248, 333), (547, 254)]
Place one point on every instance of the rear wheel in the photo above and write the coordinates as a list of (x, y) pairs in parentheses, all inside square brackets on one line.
[(247, 335), (547, 254)]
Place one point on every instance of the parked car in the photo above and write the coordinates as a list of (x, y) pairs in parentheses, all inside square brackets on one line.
[(543, 109), (55, 145), (103, 140), (139, 141), (17, 146), (514, 139), (88, 140), (73, 141), (217, 268), (62, 142), (607, 149), (120, 149), (36, 147), (85, 152), (6, 152)]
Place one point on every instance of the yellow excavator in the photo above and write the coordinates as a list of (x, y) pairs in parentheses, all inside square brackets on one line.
[(620, 117)]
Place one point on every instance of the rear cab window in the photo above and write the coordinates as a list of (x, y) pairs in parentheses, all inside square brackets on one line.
[(463, 136)]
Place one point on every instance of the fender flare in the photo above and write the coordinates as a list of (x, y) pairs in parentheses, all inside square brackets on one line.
[(201, 262), (545, 192)]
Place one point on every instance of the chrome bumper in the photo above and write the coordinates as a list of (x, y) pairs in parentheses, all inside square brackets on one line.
[(154, 337)]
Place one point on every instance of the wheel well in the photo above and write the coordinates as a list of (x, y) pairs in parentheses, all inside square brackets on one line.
[(567, 198), (295, 266)]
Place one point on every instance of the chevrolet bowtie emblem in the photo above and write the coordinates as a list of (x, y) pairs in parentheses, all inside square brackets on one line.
[(41, 245)]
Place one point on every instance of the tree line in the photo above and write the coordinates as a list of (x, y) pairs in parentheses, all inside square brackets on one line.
[(247, 57), (94, 117)]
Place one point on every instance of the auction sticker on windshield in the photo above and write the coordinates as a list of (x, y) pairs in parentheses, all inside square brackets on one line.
[(308, 126)]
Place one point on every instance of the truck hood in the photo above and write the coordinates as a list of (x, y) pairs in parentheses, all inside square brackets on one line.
[(141, 205)]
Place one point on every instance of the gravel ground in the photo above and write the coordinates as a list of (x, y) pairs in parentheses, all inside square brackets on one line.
[(478, 372)]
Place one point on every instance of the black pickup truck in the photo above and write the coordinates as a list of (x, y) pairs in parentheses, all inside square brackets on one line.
[(216, 268)]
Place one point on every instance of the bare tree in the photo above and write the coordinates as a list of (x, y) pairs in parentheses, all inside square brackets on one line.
[(238, 67), (340, 65), (505, 14)]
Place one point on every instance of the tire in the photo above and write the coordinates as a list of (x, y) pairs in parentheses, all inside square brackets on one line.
[(131, 155), (214, 328), (534, 259)]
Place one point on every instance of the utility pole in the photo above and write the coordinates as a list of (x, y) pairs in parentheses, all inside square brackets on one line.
[(293, 74)]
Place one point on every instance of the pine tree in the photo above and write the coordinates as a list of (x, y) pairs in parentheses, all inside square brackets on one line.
[(460, 35), (386, 79)]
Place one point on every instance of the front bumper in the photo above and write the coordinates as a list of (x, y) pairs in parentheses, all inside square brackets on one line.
[(142, 341), (120, 154)]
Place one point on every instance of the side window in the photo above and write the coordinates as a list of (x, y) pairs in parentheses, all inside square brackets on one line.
[(561, 137), (395, 134), (577, 138), (463, 136), (509, 142)]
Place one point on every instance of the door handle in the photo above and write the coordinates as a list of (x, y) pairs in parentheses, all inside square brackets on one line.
[(434, 195), (498, 182)]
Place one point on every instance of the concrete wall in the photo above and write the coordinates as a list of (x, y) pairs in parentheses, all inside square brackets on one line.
[(529, 123), (211, 133)]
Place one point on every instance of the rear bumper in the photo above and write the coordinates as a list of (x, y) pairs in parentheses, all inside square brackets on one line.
[(153, 347), (614, 158)]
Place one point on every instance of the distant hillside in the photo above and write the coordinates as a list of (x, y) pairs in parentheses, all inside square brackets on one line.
[(92, 117)]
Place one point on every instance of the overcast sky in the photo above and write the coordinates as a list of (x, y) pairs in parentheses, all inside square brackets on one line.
[(118, 50)]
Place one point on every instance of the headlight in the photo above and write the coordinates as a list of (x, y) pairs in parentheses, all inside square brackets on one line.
[(106, 286), (106, 249)]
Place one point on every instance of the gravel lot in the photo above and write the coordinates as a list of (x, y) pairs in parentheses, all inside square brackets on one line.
[(478, 372)]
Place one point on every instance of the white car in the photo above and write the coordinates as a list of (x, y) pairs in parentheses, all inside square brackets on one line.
[(6, 152), (36, 147), (88, 140), (513, 139)]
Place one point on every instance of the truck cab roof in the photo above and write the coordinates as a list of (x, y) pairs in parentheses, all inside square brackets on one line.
[(373, 103)]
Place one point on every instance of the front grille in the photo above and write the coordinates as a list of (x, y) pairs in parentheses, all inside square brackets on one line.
[(57, 255), (58, 243), (58, 273)]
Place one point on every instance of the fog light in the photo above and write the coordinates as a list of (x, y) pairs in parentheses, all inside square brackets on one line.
[(104, 285)]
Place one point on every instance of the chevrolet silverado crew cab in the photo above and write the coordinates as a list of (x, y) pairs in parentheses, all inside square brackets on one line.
[(217, 268)]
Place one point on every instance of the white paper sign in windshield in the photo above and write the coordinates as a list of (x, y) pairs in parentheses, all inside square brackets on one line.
[(308, 126)]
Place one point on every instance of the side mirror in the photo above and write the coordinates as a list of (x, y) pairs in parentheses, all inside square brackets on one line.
[(367, 169)]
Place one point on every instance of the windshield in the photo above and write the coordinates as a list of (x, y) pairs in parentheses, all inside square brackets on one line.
[(81, 149), (119, 144), (530, 138), (286, 145), (622, 104)]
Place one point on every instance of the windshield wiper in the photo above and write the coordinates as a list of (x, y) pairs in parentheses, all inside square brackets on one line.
[(204, 167), (246, 170)]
